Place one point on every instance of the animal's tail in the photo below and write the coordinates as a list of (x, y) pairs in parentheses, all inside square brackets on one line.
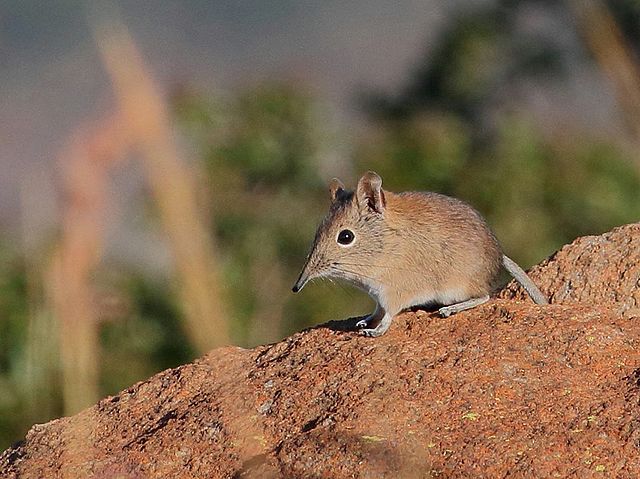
[(521, 277)]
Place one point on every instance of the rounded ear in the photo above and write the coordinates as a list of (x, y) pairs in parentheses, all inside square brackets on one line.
[(369, 192), (336, 188)]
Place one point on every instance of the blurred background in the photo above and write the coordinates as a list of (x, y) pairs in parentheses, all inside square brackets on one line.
[(165, 163)]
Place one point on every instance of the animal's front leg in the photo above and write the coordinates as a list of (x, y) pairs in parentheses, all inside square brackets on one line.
[(380, 329), (380, 316), (373, 318)]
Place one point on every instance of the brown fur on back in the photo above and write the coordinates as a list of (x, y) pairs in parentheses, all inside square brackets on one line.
[(433, 231)]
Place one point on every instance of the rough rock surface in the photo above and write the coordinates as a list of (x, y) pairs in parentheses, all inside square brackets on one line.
[(600, 270), (509, 389)]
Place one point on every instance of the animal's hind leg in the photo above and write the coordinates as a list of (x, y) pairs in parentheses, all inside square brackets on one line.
[(447, 311)]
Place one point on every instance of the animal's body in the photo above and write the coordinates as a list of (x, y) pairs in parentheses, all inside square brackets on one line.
[(408, 249)]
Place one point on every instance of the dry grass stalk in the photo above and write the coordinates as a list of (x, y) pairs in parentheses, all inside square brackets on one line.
[(85, 164), (610, 50), (174, 190)]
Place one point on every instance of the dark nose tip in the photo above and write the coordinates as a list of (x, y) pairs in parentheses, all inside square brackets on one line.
[(302, 280)]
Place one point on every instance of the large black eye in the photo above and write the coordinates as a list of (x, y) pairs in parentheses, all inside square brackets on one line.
[(346, 237)]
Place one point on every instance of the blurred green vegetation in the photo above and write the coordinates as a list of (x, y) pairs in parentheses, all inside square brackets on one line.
[(266, 196), (537, 193), (13, 325), (268, 152)]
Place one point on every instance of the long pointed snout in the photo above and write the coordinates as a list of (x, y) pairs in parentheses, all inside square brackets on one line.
[(302, 280), (309, 271), (312, 269)]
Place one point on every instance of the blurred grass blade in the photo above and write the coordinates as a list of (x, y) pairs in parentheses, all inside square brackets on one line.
[(85, 164), (173, 187), (607, 43)]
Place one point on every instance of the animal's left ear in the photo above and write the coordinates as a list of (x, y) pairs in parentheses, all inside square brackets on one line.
[(369, 192), (336, 188)]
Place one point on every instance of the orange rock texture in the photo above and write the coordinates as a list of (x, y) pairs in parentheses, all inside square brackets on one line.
[(508, 389)]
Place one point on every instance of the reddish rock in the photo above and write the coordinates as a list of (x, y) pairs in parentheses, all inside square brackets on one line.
[(507, 389), (600, 270)]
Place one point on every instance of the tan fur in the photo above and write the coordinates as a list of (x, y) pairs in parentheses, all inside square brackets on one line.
[(409, 248)]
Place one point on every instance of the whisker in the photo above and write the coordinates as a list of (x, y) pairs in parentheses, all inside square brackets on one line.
[(340, 284), (373, 265), (348, 291), (357, 274)]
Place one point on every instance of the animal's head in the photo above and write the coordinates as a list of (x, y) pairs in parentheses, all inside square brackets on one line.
[(350, 238)]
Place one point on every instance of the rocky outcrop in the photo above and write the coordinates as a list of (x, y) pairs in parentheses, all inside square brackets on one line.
[(506, 389), (600, 270)]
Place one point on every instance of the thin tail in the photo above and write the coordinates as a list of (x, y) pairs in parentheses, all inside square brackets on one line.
[(521, 277)]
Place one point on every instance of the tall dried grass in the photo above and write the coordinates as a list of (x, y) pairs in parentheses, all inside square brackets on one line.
[(610, 50), (173, 187), (141, 122), (85, 166)]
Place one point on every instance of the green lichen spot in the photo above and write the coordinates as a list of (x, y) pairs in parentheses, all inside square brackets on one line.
[(471, 416), (373, 438)]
